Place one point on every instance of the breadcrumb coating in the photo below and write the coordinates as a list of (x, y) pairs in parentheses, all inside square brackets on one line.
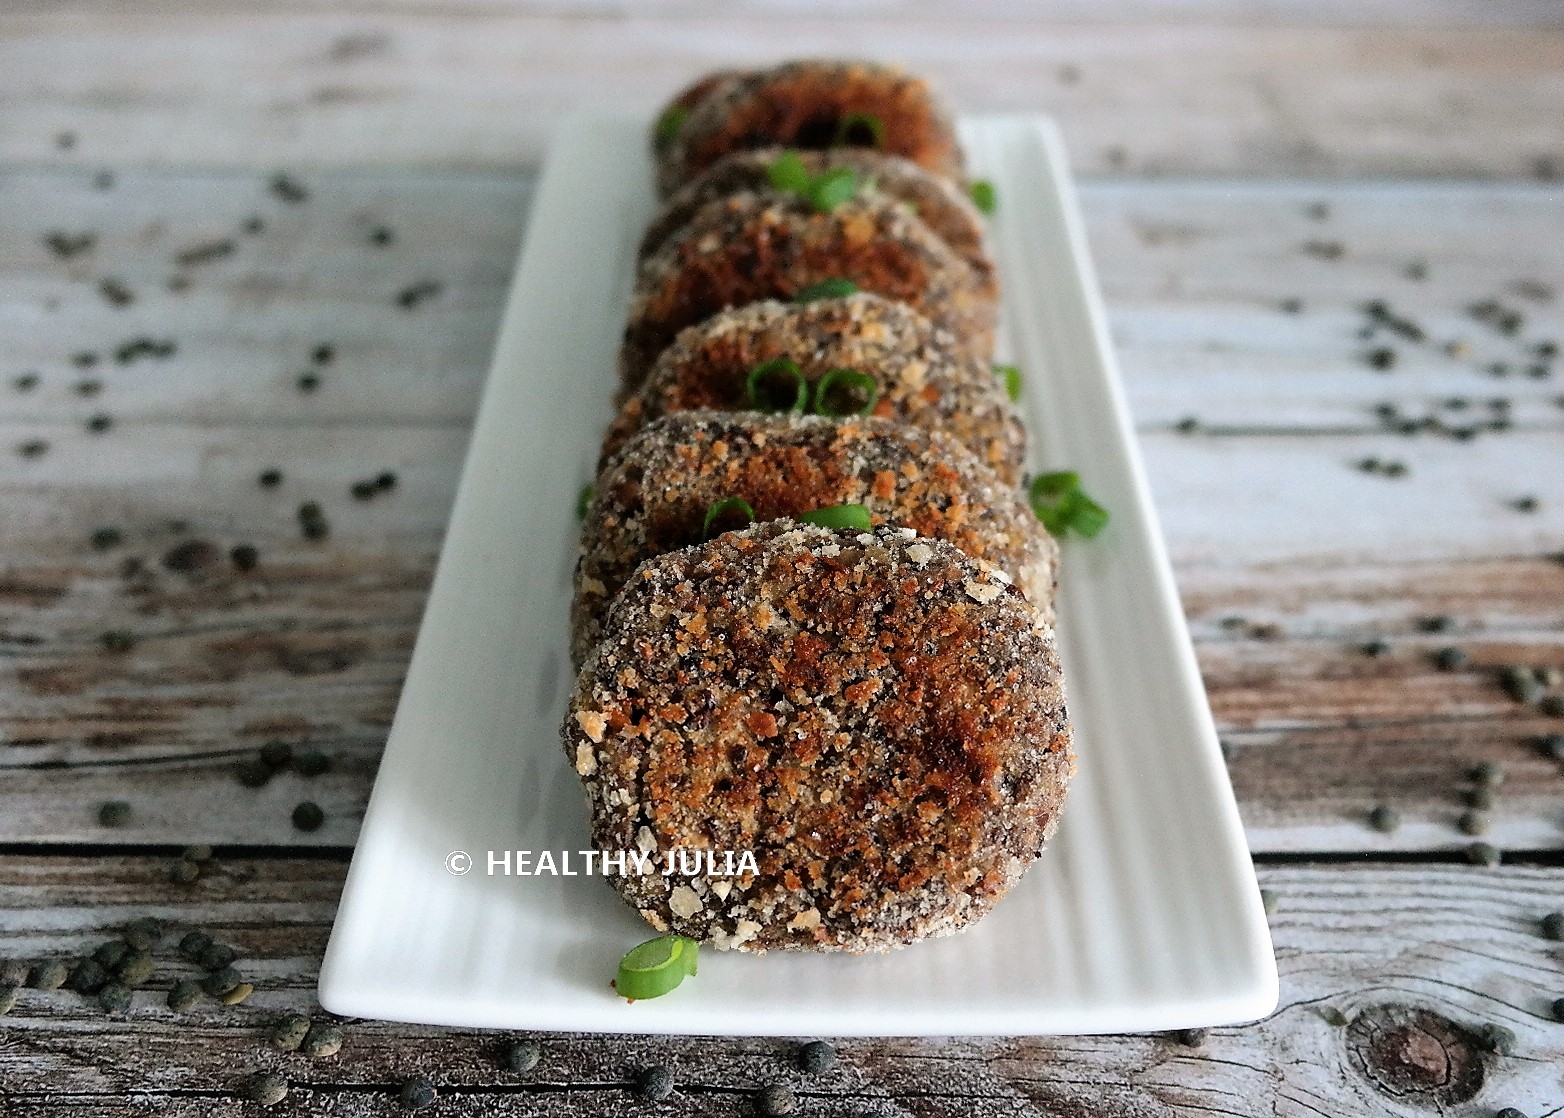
[(874, 715)]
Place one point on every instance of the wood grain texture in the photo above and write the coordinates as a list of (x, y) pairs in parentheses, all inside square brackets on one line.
[(1265, 515), (1441, 91), (1459, 944)]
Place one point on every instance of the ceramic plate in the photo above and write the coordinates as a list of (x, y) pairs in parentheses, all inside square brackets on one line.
[(1142, 914)]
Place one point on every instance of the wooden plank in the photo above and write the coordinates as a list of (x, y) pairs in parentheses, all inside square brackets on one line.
[(1458, 944), (482, 86)]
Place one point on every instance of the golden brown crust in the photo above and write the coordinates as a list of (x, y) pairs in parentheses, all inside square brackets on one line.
[(925, 378), (800, 105), (748, 247), (654, 497), (873, 715), (941, 204)]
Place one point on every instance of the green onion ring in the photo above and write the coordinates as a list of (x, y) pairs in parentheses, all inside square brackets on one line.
[(1011, 376), (848, 379), (651, 969), (984, 196), (777, 367), (836, 288), (722, 507), (839, 516), (584, 500), (830, 189), (787, 172)]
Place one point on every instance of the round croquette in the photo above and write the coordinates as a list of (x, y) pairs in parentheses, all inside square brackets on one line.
[(655, 495), (751, 246), (944, 207), (814, 104), (924, 377), (876, 717)]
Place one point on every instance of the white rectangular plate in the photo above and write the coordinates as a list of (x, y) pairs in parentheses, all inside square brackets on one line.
[(1143, 914)]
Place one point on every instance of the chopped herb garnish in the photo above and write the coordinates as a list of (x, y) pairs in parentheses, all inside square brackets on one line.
[(727, 510), (670, 124), (864, 130), (777, 386), (651, 969), (983, 195), (584, 500), (824, 192), (838, 393), (827, 289), (1063, 506), (839, 516), (1011, 375)]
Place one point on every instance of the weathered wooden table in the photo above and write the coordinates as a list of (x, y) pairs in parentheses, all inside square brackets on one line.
[(1253, 175)]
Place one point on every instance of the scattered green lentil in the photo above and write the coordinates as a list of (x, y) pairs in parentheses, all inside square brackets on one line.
[(287, 1033), (114, 997), (1558, 1009), (184, 872), (1473, 823), (1553, 746), (270, 479), (87, 977), (244, 557), (385, 480), (1189, 1038), (1291, 306), (1510, 1112), (1383, 358), (1483, 854), (217, 957), (26, 382), (184, 994), (288, 188), (654, 1084), (1270, 901), (220, 982), (115, 813), (1188, 425), (308, 382), (33, 448), (118, 640), (1499, 1039), (1549, 676), (1490, 773), (265, 1088), (324, 354), (417, 1093), (308, 816), (105, 538), (1439, 623), (817, 1057), (1334, 1017), (776, 1099), (253, 225), (237, 994), (277, 754), (253, 773), (14, 972), (109, 954), (1482, 797), (135, 968), (409, 297), (363, 490), (381, 236), (311, 762), (521, 1055), (1521, 684), (50, 974), (1552, 926), (194, 945), (7, 999), (1525, 504), (1385, 818), (1374, 648), (322, 1039), (1450, 659)]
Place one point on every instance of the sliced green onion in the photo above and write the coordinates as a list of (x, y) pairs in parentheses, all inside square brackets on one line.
[(764, 392), (1011, 375), (983, 196), (787, 172), (584, 501), (1063, 506), (850, 125), (725, 508), (832, 188), (839, 516), (651, 969), (670, 124), (845, 383), (826, 289)]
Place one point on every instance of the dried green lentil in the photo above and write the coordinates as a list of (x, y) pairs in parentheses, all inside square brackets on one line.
[(311, 762), (115, 997), (194, 945), (105, 538), (322, 1039), (1482, 797), (135, 968), (1473, 823), (184, 994), (1553, 926), (308, 816), (654, 1084), (1270, 901), (200, 852), (816, 1057), (253, 773), (1558, 1009), (144, 933), (776, 1099), (115, 813), (14, 972), (220, 982), (1553, 746), (1450, 659), (1488, 773), (216, 957), (1384, 818), (1189, 1038), (1552, 706), (522, 1055), (50, 974), (277, 754), (1499, 1040), (417, 1093), (1483, 854), (118, 640), (110, 954), (287, 1033), (1334, 1017), (8, 997), (265, 1088), (184, 872), (88, 977)]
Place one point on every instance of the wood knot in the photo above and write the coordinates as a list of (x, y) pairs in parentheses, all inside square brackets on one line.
[(1415, 1054)]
